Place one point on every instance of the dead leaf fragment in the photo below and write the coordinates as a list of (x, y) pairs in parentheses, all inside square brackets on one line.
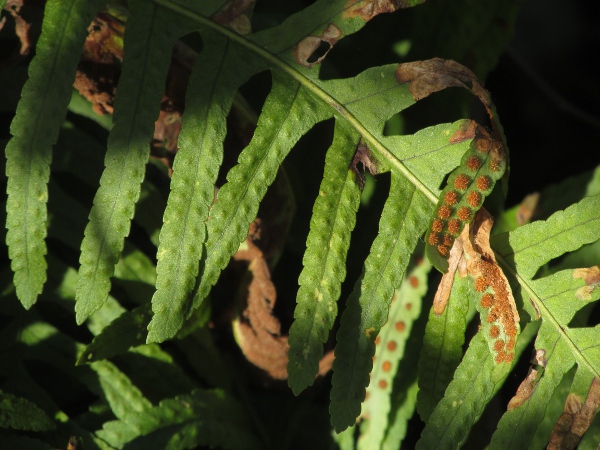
[(236, 15), (27, 15), (525, 389), (433, 75), (257, 329), (591, 276), (445, 287), (575, 420), (367, 9), (527, 208), (307, 46), (363, 156)]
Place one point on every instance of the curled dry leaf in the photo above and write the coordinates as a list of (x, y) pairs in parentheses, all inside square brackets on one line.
[(575, 419), (591, 276), (257, 329), (307, 46)]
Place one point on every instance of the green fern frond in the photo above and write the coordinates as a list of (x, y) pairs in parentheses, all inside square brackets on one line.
[(149, 38), (391, 356), (202, 418), (334, 217), (210, 95), (556, 299), (289, 112), (401, 224), (442, 347), (40, 113)]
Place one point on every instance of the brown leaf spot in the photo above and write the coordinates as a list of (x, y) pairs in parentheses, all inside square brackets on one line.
[(383, 384), (465, 132), (307, 46), (236, 15), (391, 346), (408, 306), (464, 214), (474, 199), (414, 281), (400, 326), (539, 358), (386, 366), (451, 198), (462, 182), (473, 163), (487, 300), (591, 276), (444, 212)]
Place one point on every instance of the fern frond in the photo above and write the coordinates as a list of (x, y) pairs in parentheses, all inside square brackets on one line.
[(556, 299), (465, 398), (442, 347), (402, 222), (203, 418), (333, 219), (289, 112), (40, 113), (210, 95), (529, 247), (149, 38), (391, 357)]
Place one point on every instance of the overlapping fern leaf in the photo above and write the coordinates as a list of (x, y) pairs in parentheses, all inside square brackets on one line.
[(202, 229)]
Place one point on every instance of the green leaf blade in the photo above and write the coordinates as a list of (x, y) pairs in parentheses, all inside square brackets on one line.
[(442, 348), (289, 112), (333, 219), (517, 426), (403, 221), (40, 112), (21, 414), (148, 42), (528, 248), (471, 389), (393, 363), (195, 170)]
